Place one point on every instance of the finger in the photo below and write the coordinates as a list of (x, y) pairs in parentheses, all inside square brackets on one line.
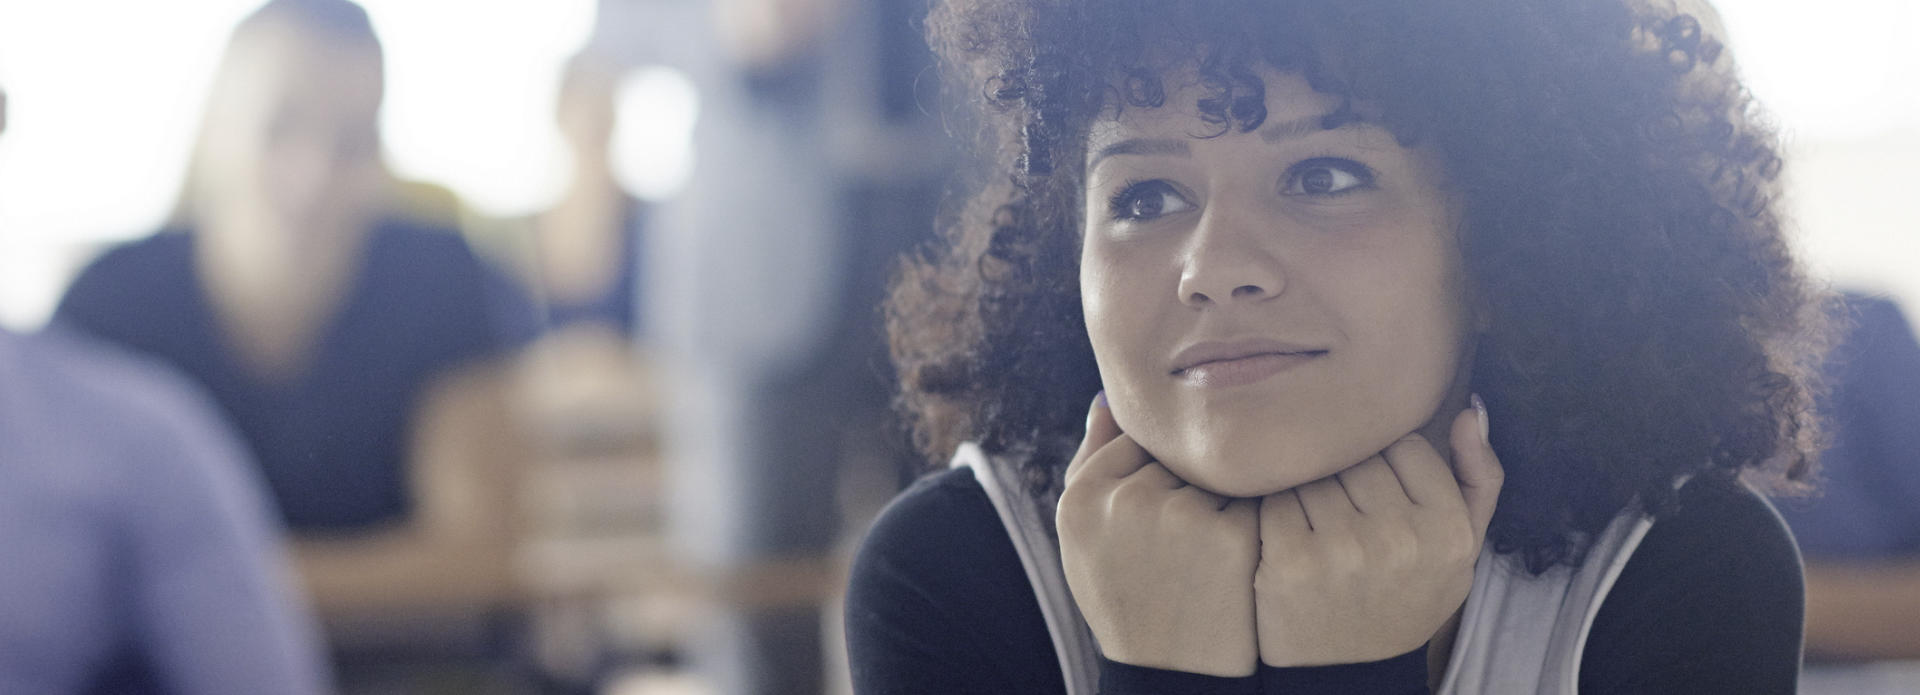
[(1326, 504), (1119, 460), (1422, 473), (1373, 488), (1282, 517), (1101, 429), (1476, 468)]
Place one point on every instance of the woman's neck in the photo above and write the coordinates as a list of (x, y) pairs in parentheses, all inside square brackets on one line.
[(272, 295), (580, 240)]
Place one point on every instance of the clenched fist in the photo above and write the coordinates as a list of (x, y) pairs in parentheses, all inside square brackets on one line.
[(1367, 564), (1163, 571)]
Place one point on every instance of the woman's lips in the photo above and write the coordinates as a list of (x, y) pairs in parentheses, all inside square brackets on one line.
[(1244, 370)]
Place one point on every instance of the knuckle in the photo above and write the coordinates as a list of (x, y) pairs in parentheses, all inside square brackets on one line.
[(1399, 545), (1131, 494), (1182, 513), (1344, 554)]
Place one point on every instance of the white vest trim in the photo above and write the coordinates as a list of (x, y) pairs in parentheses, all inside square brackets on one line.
[(1039, 553)]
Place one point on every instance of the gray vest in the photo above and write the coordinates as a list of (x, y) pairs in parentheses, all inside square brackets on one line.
[(1519, 633)]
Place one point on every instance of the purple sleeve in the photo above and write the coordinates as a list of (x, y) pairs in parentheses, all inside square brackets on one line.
[(214, 606)]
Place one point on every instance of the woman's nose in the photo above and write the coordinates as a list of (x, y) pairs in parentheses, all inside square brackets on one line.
[(1225, 263)]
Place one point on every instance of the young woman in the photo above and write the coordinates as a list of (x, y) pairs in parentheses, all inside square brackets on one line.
[(332, 332), (1433, 343)]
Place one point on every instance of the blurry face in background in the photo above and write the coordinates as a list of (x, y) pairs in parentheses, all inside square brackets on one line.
[(1268, 308), (585, 111), (292, 156)]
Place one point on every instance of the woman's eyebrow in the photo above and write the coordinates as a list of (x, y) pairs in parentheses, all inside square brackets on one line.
[(1141, 146), (1272, 133)]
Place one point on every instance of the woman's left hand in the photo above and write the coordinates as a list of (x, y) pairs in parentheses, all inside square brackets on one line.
[(1367, 564)]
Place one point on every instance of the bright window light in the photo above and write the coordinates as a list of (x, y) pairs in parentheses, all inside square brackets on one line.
[(471, 87), (103, 96), (653, 133), (1831, 70)]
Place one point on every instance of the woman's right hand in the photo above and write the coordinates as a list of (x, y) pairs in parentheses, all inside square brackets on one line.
[(1161, 570)]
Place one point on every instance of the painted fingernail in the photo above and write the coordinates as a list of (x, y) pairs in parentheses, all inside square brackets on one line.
[(1480, 409), (1099, 403)]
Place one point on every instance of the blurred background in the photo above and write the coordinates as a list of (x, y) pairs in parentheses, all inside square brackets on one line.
[(639, 458)]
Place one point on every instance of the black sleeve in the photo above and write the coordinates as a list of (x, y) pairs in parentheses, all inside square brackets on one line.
[(1711, 602), (1126, 679), (938, 603)]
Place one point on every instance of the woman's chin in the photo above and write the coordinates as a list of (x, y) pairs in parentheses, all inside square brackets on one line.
[(1248, 477)]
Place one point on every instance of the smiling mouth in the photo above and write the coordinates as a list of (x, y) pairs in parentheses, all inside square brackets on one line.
[(1248, 369)]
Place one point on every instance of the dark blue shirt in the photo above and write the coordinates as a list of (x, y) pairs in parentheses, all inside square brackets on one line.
[(331, 440), (618, 307)]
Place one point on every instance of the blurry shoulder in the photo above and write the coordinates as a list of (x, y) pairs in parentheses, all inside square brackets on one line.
[(160, 258), (417, 240), (170, 245), (1873, 310), (92, 409), (101, 385), (63, 368), (431, 258), (1873, 325)]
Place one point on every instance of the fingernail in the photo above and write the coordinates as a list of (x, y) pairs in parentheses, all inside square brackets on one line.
[(1099, 403), (1480, 409)]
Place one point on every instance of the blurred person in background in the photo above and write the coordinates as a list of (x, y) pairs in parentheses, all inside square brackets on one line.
[(345, 342), (585, 252), (141, 552), (1861, 534), (581, 391), (817, 164)]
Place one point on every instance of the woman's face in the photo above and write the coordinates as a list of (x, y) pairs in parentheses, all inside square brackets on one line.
[(293, 144), (1268, 308)]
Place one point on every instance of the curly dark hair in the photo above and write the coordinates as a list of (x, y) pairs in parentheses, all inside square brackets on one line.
[(1646, 317)]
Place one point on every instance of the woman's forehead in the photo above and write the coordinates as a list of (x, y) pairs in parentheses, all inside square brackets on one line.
[(1287, 98), (1293, 109)]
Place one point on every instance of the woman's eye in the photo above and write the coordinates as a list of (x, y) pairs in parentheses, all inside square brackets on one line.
[(1327, 177), (1147, 200)]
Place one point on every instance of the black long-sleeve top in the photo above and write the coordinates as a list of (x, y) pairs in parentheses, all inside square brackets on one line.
[(1711, 602)]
